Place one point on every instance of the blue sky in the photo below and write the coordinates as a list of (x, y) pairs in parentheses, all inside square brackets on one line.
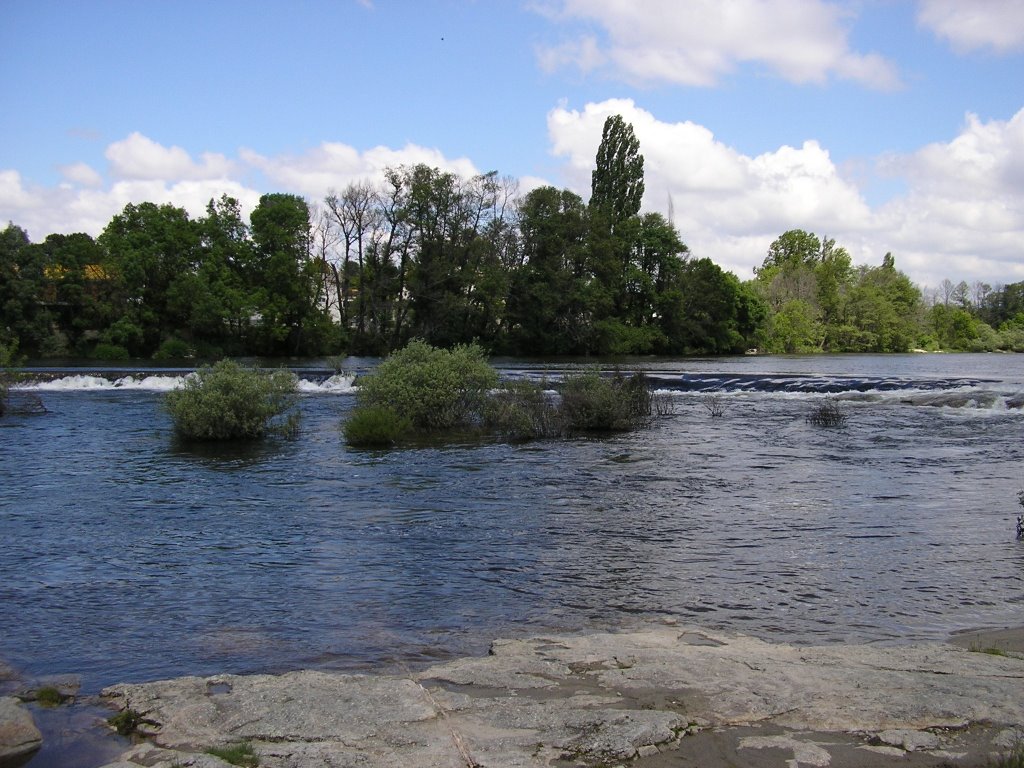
[(889, 125)]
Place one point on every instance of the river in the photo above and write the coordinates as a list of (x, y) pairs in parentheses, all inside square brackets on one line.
[(126, 555)]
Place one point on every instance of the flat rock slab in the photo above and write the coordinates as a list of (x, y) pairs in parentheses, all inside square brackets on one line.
[(601, 699)]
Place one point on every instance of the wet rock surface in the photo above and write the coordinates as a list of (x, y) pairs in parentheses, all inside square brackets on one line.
[(663, 696), (19, 736)]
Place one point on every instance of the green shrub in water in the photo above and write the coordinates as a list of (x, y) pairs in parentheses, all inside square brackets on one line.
[(595, 403), (522, 410), (375, 426), (7, 353), (435, 389), (228, 401), (421, 389)]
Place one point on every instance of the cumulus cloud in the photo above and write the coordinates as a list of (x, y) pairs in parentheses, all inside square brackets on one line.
[(962, 215), (994, 24), (82, 174), (964, 211), (334, 165), (143, 170), (699, 42), (139, 157)]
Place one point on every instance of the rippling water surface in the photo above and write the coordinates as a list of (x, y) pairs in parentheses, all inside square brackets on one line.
[(127, 556)]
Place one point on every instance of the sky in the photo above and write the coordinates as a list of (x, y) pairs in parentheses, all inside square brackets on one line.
[(888, 125)]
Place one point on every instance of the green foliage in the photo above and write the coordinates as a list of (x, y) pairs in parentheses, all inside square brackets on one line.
[(422, 389), (376, 426), (956, 329), (616, 338), (127, 721), (112, 352), (795, 329), (818, 302), (595, 403), (435, 389), (126, 334), (617, 183), (522, 410), (173, 349), (228, 402), (7, 359), (236, 754), (48, 696), (451, 260)]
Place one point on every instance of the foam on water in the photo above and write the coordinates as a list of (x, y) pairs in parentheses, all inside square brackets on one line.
[(337, 384), (153, 383)]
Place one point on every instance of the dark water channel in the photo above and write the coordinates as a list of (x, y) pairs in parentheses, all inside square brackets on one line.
[(126, 556)]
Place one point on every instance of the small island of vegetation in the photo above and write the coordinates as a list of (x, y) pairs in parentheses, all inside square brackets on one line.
[(422, 391)]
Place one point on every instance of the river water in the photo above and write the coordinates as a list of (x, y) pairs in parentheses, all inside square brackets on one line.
[(126, 555)]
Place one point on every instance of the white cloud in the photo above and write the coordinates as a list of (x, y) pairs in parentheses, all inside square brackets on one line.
[(973, 24), (139, 157), (334, 165), (14, 198), (964, 211), (961, 217), (82, 174), (142, 170), (700, 41)]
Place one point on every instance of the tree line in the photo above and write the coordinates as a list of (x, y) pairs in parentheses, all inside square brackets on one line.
[(426, 254)]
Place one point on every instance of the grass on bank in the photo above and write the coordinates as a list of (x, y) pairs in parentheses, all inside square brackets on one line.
[(1012, 759), (241, 754), (422, 391), (228, 401)]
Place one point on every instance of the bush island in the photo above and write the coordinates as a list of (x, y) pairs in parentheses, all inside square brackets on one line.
[(435, 389), (594, 403), (227, 402), (424, 390)]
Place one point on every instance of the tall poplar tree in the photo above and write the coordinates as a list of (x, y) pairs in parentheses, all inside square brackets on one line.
[(617, 183)]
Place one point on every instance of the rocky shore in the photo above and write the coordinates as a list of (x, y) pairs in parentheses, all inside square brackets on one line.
[(662, 696)]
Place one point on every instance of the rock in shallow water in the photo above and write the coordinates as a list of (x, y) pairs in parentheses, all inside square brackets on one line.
[(19, 736)]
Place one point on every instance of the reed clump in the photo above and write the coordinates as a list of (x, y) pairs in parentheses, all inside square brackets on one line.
[(827, 413)]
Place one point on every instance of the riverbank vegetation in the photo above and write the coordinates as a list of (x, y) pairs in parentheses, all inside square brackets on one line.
[(227, 401), (427, 254)]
